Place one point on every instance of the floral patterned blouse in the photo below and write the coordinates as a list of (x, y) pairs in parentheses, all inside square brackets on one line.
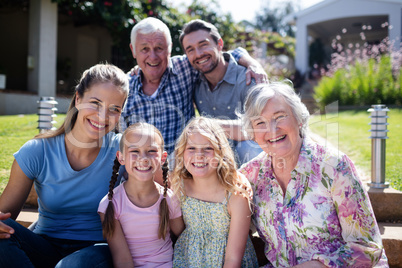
[(325, 214)]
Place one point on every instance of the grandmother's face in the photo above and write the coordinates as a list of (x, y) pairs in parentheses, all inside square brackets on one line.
[(276, 130)]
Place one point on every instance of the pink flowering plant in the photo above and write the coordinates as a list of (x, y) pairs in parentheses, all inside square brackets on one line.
[(362, 75)]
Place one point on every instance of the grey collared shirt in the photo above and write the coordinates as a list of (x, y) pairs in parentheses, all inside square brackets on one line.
[(228, 95)]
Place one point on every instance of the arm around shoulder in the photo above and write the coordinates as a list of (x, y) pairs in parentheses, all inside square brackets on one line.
[(233, 129), (254, 68)]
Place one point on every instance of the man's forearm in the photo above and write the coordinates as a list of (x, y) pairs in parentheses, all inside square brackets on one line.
[(254, 68), (233, 129)]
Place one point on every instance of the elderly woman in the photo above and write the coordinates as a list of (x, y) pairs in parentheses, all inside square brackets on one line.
[(311, 208)]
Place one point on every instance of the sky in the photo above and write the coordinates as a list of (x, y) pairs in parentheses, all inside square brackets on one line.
[(247, 9)]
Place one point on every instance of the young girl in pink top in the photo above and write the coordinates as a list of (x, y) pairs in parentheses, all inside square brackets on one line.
[(138, 214)]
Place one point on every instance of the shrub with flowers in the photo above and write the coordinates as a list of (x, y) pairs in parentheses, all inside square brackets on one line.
[(362, 75), (273, 51)]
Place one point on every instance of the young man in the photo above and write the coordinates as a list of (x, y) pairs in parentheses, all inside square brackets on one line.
[(222, 89)]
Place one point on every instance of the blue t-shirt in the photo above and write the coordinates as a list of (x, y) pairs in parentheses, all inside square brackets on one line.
[(68, 200)]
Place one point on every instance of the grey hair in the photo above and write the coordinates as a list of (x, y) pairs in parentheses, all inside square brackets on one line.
[(258, 97), (148, 26)]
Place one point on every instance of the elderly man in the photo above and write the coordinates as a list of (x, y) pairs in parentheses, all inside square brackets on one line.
[(162, 92), (222, 89)]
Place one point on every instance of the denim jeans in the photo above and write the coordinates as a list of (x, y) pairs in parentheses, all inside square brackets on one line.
[(246, 150), (27, 249)]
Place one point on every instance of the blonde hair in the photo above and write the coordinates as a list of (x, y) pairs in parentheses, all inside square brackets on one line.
[(108, 222), (97, 74), (226, 168)]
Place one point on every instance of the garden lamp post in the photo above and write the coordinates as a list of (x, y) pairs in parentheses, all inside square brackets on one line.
[(46, 113), (378, 137)]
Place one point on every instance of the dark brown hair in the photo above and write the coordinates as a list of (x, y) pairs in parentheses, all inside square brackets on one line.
[(196, 25), (97, 74)]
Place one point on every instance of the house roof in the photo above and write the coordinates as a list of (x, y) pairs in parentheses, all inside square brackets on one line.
[(292, 18)]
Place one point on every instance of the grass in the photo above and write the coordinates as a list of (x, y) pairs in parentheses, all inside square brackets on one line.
[(349, 131), (15, 130)]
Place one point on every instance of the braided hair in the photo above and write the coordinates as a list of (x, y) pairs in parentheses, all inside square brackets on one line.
[(108, 222), (163, 207)]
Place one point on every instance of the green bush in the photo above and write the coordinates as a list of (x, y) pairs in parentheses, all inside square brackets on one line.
[(361, 83), (330, 88)]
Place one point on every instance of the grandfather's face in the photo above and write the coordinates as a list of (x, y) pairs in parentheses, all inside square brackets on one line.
[(152, 54)]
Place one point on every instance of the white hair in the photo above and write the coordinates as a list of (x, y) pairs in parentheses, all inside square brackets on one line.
[(258, 97), (148, 26)]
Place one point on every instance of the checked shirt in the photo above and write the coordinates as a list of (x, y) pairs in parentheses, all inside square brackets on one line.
[(172, 107)]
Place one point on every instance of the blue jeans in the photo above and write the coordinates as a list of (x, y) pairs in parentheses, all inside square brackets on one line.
[(27, 249), (246, 150)]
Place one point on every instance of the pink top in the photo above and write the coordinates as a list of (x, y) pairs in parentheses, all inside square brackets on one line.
[(140, 226)]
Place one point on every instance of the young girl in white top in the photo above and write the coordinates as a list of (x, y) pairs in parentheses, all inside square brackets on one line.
[(138, 214), (214, 199)]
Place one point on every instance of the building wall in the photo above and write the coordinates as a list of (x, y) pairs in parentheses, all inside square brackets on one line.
[(14, 47), (78, 48), (338, 9), (25, 103), (82, 47)]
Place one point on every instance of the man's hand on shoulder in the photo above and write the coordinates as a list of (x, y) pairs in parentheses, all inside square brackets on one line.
[(258, 73), (134, 71)]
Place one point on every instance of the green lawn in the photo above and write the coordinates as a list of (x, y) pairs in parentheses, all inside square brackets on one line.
[(15, 130), (349, 131), (346, 130)]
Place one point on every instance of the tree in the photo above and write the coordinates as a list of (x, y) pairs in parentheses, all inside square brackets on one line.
[(272, 19), (119, 17), (212, 13)]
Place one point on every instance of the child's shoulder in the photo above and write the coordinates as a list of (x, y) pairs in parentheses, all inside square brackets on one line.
[(171, 198), (161, 189), (119, 191)]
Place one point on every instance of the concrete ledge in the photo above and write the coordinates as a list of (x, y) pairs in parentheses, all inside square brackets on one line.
[(27, 217), (391, 234), (393, 250), (387, 204)]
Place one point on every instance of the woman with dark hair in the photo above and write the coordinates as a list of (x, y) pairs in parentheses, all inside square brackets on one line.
[(70, 168)]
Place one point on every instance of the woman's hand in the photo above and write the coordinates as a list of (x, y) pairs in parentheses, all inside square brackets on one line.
[(5, 230)]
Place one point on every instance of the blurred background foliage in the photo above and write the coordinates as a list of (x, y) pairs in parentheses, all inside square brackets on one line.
[(119, 17), (265, 36)]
